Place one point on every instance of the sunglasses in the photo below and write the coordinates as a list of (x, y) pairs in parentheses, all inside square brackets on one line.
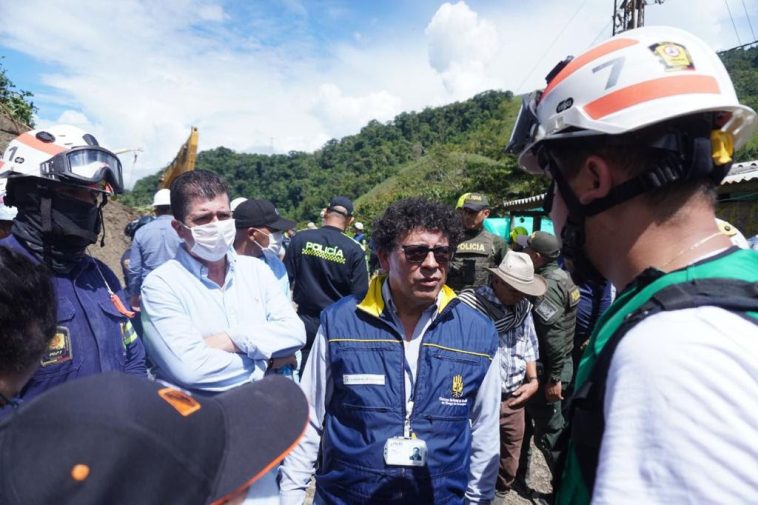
[(417, 253)]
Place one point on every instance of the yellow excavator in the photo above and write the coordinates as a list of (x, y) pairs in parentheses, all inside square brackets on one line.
[(183, 162)]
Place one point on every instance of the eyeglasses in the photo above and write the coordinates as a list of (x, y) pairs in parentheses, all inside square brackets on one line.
[(418, 253)]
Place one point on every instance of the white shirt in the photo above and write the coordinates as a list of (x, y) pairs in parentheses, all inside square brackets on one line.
[(316, 382), (181, 306), (681, 412)]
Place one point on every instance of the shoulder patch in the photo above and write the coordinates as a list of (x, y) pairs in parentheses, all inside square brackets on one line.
[(574, 296), (546, 309)]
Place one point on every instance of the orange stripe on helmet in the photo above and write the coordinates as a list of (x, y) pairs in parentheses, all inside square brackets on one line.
[(651, 90), (586, 58), (33, 142)]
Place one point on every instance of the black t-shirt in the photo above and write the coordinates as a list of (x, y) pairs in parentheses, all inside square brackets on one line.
[(324, 265)]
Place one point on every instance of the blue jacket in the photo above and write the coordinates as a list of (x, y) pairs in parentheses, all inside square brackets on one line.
[(92, 336), (455, 355)]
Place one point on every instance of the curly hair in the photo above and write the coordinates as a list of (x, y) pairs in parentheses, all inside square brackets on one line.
[(406, 215), (27, 311)]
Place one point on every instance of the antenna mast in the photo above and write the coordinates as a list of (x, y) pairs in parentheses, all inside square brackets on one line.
[(629, 14)]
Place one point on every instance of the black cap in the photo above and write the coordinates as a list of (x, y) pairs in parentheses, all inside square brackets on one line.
[(120, 439), (254, 213), (342, 205)]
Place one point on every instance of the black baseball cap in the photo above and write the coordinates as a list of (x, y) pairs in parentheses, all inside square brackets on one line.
[(120, 439), (254, 213), (341, 201)]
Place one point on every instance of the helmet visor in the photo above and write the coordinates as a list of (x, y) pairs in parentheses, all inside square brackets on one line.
[(86, 165), (527, 125)]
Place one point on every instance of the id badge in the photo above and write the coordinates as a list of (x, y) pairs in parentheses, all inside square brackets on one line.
[(401, 451)]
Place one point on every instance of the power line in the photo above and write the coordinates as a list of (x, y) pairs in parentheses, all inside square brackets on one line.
[(551, 45), (600, 33), (733, 25), (748, 19)]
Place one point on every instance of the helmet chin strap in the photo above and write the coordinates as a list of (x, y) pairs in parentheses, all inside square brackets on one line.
[(573, 235), (684, 156)]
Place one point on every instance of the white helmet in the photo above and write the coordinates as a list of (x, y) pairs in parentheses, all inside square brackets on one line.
[(636, 79), (65, 154), (234, 203), (162, 197), (358, 226)]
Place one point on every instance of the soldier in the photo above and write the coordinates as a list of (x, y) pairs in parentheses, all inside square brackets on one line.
[(479, 250), (555, 321)]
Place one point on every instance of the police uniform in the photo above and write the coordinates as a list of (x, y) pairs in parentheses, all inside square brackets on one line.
[(92, 336), (479, 251)]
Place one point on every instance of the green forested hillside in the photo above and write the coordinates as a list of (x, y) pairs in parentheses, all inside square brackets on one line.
[(439, 152), (300, 184)]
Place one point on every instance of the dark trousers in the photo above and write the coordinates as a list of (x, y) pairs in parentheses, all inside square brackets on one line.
[(511, 436), (545, 422), (311, 324)]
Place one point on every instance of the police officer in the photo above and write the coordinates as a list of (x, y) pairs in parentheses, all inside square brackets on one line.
[(324, 265), (479, 250), (555, 321), (59, 179)]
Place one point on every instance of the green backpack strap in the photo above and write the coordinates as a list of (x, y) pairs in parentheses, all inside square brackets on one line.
[(584, 408)]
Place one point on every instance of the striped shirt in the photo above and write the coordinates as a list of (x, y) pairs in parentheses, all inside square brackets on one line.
[(518, 340)]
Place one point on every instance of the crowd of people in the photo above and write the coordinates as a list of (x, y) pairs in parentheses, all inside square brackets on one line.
[(243, 362)]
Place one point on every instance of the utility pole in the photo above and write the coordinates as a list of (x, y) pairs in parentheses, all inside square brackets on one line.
[(629, 14)]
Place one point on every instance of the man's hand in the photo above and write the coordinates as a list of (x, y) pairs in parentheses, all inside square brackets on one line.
[(134, 301), (522, 394), (221, 341), (553, 391), (277, 363)]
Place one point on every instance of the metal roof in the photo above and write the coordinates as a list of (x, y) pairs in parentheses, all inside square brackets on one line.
[(740, 172)]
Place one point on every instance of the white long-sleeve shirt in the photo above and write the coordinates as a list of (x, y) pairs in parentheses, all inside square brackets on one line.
[(181, 306), (316, 382)]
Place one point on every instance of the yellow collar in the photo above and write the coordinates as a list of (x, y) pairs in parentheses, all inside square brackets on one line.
[(373, 303)]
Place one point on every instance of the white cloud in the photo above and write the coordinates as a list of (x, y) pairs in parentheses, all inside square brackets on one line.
[(461, 47), (332, 106), (140, 73)]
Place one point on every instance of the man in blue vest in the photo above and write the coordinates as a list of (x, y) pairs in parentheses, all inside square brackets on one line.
[(636, 133), (404, 389)]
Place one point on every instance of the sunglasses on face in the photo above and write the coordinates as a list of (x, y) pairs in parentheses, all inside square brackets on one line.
[(417, 253)]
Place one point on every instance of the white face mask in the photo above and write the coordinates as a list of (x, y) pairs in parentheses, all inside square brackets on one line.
[(274, 242), (212, 240)]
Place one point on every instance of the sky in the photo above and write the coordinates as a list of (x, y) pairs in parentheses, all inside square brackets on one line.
[(273, 76)]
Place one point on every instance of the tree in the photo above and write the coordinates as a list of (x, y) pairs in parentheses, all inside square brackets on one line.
[(14, 102)]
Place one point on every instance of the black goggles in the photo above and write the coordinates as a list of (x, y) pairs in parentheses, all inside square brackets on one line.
[(86, 165), (417, 253), (526, 126)]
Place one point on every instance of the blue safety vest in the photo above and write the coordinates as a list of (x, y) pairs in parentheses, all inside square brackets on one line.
[(367, 406)]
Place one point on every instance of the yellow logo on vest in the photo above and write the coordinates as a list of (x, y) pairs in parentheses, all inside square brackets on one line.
[(457, 386)]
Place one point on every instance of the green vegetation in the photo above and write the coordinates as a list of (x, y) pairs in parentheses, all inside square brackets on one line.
[(14, 102), (437, 153), (301, 184), (742, 65)]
